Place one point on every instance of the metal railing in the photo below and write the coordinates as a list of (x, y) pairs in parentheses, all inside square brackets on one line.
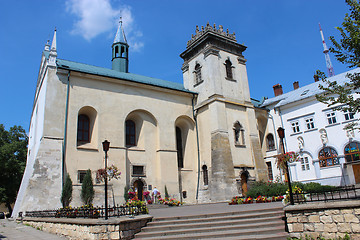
[(344, 193), (87, 212)]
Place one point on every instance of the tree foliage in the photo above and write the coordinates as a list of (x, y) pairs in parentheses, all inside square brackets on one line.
[(66, 195), (87, 189), (347, 51), (13, 152)]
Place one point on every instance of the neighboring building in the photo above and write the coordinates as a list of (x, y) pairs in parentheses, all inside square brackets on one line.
[(327, 153), (199, 140)]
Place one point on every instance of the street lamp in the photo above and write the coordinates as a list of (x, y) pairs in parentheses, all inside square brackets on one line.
[(281, 133), (106, 146)]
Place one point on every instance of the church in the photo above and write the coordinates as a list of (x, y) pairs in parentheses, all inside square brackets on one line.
[(202, 139)]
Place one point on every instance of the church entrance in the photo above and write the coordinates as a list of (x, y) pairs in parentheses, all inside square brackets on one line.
[(244, 187), (139, 189)]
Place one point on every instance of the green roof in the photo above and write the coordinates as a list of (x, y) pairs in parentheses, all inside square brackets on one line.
[(100, 71)]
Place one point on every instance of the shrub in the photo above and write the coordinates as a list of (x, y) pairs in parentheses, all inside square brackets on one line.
[(87, 189), (166, 192), (126, 193), (66, 195), (269, 189)]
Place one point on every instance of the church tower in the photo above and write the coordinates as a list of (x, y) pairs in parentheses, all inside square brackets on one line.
[(120, 51), (215, 68)]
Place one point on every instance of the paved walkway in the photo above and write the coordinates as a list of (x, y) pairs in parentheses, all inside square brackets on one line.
[(199, 209), (13, 231)]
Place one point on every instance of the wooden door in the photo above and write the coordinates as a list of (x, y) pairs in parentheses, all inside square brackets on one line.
[(356, 169)]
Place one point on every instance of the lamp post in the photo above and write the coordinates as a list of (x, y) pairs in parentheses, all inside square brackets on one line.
[(106, 146), (281, 133)]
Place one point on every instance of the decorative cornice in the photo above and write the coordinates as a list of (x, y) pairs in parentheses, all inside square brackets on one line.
[(185, 67), (211, 51), (209, 28)]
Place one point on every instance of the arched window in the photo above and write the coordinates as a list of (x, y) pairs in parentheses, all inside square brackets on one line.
[(197, 73), (83, 131), (352, 152), (130, 133), (205, 175), (179, 148), (116, 51), (270, 143), (239, 134), (328, 157), (228, 67)]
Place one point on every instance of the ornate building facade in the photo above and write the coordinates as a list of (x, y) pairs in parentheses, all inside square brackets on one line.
[(201, 140)]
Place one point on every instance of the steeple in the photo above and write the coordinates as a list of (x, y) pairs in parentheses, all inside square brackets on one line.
[(120, 51), (53, 51)]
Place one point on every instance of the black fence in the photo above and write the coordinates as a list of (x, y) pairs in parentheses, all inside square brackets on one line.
[(343, 193), (87, 212)]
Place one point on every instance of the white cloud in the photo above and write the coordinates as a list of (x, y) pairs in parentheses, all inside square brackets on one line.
[(95, 17)]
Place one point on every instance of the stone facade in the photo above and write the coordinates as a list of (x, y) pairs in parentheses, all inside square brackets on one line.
[(329, 220), (92, 229)]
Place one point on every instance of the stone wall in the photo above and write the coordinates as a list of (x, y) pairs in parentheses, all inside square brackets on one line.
[(329, 219), (75, 228)]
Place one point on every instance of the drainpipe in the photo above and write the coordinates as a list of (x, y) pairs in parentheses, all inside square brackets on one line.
[(198, 147), (65, 128)]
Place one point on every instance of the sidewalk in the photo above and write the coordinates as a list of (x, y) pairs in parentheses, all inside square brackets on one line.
[(13, 231)]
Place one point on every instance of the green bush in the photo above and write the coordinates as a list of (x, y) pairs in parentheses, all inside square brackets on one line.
[(126, 193), (269, 189), (166, 192), (87, 189)]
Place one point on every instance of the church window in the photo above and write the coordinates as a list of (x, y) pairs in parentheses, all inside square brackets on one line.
[(270, 172), (205, 175), (83, 133), (352, 152), (270, 142), (81, 175), (328, 157), (228, 67), (130, 133), (198, 78), (138, 171), (239, 134), (179, 148)]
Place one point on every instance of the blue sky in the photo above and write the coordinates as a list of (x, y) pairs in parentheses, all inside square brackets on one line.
[(282, 37)]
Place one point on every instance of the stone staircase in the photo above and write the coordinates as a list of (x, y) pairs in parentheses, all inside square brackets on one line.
[(246, 224)]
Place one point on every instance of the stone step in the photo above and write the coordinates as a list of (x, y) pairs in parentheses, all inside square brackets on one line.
[(249, 223), (244, 212), (214, 217), (209, 233)]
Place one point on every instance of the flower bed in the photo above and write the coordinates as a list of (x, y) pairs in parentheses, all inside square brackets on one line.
[(169, 201), (259, 199)]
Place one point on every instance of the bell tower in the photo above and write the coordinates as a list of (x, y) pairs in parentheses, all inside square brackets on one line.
[(120, 51), (215, 68)]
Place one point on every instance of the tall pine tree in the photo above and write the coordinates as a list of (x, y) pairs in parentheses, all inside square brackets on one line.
[(87, 189), (66, 195)]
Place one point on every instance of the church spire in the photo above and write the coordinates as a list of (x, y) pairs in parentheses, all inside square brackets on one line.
[(120, 51), (120, 34), (53, 51)]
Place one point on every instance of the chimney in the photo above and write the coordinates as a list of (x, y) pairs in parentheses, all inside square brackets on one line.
[(277, 90), (316, 78), (296, 85)]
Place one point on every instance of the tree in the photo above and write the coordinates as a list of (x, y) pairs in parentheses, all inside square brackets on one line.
[(87, 189), (13, 152), (66, 195), (347, 51)]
